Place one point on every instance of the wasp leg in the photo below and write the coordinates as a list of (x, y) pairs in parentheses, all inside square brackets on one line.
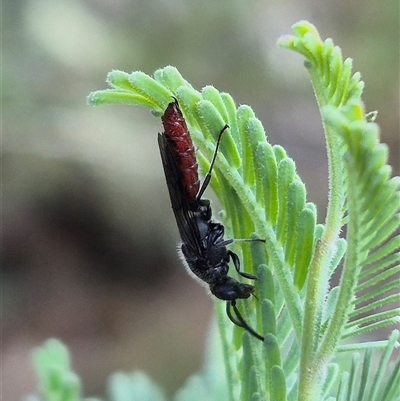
[(239, 321), (236, 263), (231, 317)]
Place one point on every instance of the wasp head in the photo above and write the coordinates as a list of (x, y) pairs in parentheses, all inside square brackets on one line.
[(229, 289)]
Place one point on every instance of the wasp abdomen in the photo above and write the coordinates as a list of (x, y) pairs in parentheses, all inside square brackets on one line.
[(179, 139)]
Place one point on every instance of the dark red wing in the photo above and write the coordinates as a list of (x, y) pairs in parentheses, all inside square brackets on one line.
[(185, 217)]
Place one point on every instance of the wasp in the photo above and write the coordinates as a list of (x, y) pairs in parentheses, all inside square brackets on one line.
[(204, 250)]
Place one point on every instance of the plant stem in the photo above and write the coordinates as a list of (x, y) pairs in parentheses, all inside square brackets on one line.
[(349, 276), (309, 371)]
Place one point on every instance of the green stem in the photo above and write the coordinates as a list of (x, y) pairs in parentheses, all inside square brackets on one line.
[(309, 372), (348, 280)]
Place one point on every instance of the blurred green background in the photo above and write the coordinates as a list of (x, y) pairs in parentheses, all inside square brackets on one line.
[(88, 236)]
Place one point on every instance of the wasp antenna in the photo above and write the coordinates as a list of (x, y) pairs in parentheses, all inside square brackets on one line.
[(208, 176)]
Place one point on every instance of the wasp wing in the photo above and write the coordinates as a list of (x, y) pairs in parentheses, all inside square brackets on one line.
[(184, 215)]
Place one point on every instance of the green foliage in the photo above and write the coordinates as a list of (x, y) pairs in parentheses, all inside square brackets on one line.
[(135, 386), (365, 383), (304, 321), (57, 381)]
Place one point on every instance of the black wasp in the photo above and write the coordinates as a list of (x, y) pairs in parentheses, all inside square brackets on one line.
[(203, 246)]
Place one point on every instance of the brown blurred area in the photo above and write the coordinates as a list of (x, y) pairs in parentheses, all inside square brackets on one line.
[(88, 238)]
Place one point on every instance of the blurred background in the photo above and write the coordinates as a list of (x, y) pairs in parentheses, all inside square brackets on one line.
[(89, 241)]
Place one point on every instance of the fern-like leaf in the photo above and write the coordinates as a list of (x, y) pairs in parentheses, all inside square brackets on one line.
[(370, 379), (261, 192), (370, 200), (373, 244)]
